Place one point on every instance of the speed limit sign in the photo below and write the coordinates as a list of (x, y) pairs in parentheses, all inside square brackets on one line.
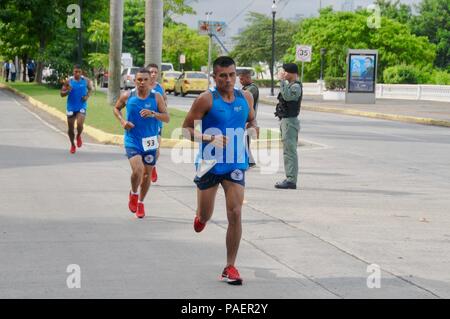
[(303, 53)]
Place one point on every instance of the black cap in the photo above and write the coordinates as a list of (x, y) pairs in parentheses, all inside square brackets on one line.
[(290, 68)]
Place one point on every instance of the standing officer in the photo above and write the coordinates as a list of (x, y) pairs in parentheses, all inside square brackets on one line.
[(245, 77), (288, 109)]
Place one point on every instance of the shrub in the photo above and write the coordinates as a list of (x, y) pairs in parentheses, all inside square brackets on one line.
[(335, 83), (440, 77), (402, 74)]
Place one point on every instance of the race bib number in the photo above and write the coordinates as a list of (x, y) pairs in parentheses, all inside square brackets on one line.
[(150, 143)]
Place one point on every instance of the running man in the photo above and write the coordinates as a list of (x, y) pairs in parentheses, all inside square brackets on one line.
[(145, 108), (154, 85), (78, 89), (225, 113)]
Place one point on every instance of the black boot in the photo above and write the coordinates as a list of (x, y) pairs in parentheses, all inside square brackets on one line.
[(286, 185)]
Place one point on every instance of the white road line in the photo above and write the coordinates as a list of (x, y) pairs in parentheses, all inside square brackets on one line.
[(39, 118)]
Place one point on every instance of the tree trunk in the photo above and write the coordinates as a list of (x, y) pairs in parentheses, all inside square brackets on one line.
[(154, 18), (40, 64), (115, 49), (24, 75)]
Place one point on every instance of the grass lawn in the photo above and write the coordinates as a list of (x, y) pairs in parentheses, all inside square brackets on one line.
[(99, 114)]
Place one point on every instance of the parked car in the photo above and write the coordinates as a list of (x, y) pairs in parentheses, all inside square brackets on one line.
[(168, 80), (166, 67), (191, 82), (127, 78)]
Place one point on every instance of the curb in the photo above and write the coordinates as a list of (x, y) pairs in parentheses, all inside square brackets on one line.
[(114, 139), (382, 116)]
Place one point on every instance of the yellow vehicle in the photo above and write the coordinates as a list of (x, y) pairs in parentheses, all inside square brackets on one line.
[(191, 82), (168, 80)]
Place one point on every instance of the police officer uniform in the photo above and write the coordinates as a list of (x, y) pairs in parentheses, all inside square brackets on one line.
[(288, 109)]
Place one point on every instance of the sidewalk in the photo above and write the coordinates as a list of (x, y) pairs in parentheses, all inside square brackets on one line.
[(420, 112)]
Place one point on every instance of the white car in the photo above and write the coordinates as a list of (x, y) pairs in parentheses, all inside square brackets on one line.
[(127, 78)]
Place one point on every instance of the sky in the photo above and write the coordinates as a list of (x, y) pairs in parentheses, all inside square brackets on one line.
[(233, 12)]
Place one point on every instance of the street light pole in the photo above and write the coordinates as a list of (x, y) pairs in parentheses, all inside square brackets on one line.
[(80, 34), (208, 14), (322, 57), (274, 11)]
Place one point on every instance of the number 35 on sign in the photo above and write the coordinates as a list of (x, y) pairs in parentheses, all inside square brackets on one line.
[(303, 53)]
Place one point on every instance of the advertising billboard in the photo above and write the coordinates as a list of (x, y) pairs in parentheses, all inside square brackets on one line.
[(362, 73)]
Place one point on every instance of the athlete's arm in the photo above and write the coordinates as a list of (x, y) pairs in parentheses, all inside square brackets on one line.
[(251, 120), (163, 115), (120, 104), (89, 87), (201, 106), (66, 88)]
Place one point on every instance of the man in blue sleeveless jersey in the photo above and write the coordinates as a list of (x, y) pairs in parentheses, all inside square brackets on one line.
[(154, 73), (145, 108), (225, 113), (78, 89)]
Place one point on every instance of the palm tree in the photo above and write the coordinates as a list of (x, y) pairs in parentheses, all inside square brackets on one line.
[(115, 49), (154, 18)]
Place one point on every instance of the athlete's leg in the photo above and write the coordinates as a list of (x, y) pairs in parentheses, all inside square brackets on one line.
[(71, 131), (137, 171), (159, 146), (145, 183), (205, 203), (234, 195), (80, 123)]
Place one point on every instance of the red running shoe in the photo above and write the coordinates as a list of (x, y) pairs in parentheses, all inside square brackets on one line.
[(198, 226), (133, 202), (79, 141), (154, 175), (140, 213), (73, 149), (231, 275)]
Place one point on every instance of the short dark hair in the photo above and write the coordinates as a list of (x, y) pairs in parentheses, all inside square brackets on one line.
[(247, 72), (152, 65), (143, 70), (77, 66), (223, 61)]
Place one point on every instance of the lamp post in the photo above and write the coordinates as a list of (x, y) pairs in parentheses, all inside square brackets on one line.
[(208, 14), (322, 58), (80, 35), (274, 11)]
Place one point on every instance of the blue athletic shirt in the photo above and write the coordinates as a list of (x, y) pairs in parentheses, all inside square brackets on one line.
[(75, 98), (158, 88), (222, 116), (143, 136)]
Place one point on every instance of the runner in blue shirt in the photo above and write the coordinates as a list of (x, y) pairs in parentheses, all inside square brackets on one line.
[(145, 108), (154, 73), (78, 89), (225, 113)]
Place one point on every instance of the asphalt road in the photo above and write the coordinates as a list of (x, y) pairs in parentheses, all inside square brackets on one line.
[(370, 192)]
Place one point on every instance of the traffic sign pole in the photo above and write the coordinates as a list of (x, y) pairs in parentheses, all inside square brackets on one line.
[(303, 66)]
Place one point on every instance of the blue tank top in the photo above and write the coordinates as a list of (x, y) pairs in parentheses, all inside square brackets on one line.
[(75, 98), (158, 88), (143, 136), (228, 119)]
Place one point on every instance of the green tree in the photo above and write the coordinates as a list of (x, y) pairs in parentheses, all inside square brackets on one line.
[(134, 25), (433, 22), (255, 42), (393, 40), (193, 46), (395, 10)]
